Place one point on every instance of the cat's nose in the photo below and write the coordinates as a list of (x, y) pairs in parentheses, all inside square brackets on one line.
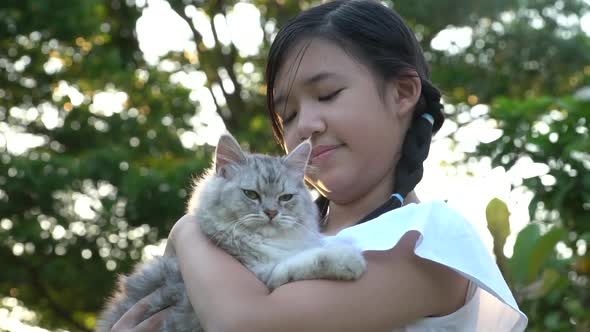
[(270, 213)]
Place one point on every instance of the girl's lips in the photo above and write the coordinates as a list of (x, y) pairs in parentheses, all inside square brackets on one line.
[(321, 151)]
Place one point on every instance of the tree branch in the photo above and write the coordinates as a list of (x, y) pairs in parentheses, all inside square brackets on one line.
[(196, 34), (228, 59), (209, 67)]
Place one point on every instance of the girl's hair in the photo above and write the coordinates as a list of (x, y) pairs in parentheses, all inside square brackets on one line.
[(379, 38)]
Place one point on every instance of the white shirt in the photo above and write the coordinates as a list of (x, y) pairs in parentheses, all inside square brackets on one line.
[(448, 239)]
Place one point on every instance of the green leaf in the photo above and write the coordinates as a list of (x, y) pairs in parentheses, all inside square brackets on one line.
[(497, 215), (532, 251), (523, 248), (550, 279), (543, 250)]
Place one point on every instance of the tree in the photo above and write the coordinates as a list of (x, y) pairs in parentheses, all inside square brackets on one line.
[(101, 183), (551, 286)]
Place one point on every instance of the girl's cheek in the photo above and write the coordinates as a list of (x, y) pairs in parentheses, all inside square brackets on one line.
[(290, 138)]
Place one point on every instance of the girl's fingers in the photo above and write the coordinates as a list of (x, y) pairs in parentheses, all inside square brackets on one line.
[(134, 315), (153, 323)]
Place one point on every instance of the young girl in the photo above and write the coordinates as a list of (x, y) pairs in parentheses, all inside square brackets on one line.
[(351, 76)]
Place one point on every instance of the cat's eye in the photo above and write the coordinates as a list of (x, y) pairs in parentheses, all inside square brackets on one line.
[(285, 197), (251, 194)]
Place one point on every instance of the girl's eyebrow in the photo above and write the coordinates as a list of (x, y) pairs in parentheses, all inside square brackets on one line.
[(310, 80)]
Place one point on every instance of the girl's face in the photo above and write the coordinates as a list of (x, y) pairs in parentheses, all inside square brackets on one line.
[(356, 133)]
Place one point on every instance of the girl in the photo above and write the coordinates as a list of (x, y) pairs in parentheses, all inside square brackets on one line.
[(351, 76)]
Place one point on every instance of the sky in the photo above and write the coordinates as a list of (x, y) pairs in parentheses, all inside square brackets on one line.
[(160, 30)]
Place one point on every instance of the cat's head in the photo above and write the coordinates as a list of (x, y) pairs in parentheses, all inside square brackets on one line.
[(259, 193)]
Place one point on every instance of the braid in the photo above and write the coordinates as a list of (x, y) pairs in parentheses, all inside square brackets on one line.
[(409, 169)]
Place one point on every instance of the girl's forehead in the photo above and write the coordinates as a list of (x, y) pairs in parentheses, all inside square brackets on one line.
[(310, 57), (311, 61)]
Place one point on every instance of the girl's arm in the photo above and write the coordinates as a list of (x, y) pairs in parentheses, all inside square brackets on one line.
[(398, 288)]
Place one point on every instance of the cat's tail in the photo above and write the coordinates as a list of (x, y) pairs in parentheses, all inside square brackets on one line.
[(151, 278)]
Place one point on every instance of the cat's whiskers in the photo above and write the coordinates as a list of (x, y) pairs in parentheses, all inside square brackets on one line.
[(233, 235), (223, 232), (253, 217), (293, 221), (220, 230), (242, 222), (214, 235)]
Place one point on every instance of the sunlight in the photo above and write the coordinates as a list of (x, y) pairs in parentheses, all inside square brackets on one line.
[(244, 26), (13, 317), (16, 142), (585, 23), (160, 30), (469, 187), (453, 40), (108, 103)]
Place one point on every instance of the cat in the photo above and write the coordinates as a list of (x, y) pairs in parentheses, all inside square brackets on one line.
[(256, 208)]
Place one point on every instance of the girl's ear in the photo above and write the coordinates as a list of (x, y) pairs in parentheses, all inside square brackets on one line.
[(407, 91), (297, 159), (228, 152)]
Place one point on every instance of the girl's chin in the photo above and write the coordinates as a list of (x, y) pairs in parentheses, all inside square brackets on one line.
[(325, 186)]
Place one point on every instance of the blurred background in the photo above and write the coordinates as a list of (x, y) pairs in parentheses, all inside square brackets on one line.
[(108, 108)]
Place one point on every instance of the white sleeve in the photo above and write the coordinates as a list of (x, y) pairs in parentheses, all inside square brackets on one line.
[(448, 239)]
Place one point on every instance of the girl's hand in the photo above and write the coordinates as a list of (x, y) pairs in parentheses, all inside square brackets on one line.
[(183, 226), (131, 320)]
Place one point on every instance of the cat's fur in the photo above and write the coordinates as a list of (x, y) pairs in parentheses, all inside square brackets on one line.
[(284, 248)]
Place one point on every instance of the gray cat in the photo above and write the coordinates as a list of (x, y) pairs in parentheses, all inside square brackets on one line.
[(256, 208)]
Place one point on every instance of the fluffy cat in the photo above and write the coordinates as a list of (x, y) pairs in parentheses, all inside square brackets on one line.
[(256, 208)]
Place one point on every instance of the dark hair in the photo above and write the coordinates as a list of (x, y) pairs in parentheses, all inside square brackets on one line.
[(381, 40)]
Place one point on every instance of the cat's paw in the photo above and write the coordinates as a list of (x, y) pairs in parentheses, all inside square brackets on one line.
[(279, 276), (302, 266), (342, 262), (336, 262)]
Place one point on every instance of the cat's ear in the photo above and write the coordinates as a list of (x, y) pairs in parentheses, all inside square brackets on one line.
[(298, 159), (228, 152)]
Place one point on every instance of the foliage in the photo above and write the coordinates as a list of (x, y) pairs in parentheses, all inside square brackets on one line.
[(551, 286), (102, 183)]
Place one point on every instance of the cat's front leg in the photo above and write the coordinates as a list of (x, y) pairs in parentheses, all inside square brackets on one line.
[(338, 262)]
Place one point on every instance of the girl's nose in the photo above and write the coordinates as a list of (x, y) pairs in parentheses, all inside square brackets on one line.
[(309, 122)]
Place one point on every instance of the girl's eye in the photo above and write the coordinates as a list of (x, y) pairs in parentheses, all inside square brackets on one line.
[(251, 194), (285, 197), (330, 96), (289, 118)]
